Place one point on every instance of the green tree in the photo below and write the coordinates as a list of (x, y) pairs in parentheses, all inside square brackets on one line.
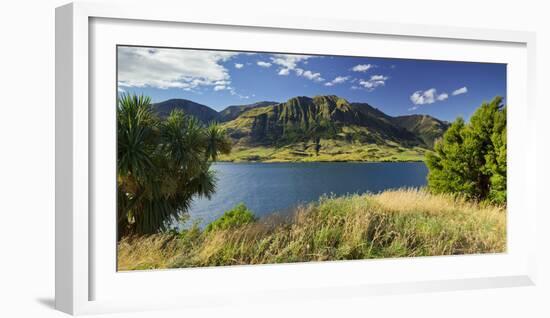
[(470, 159), (161, 165), (496, 159)]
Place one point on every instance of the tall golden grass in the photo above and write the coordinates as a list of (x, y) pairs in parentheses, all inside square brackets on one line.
[(395, 223)]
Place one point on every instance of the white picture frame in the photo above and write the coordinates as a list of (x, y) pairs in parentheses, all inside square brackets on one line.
[(79, 166)]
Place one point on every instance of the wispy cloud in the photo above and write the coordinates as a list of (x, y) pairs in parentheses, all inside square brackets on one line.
[(239, 65), (263, 64), (362, 67), (337, 80), (313, 76), (373, 82), (227, 87), (284, 71), (462, 90), (289, 63), (234, 93), (429, 96), (442, 96)]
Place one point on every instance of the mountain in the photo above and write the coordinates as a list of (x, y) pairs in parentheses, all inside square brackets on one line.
[(322, 128), (203, 113), (329, 117), (426, 127), (232, 112), (328, 128)]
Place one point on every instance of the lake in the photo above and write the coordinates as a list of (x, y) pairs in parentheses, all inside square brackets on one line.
[(270, 187)]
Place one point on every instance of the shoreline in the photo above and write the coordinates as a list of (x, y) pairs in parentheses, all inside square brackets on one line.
[(321, 161)]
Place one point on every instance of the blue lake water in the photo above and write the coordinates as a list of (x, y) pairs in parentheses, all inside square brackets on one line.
[(269, 187)]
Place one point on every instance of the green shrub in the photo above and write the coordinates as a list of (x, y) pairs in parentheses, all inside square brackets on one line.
[(235, 217), (470, 159)]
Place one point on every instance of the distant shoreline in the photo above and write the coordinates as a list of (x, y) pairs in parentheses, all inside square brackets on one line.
[(320, 161)]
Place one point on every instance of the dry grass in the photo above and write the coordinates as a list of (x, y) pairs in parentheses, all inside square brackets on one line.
[(400, 223), (153, 251)]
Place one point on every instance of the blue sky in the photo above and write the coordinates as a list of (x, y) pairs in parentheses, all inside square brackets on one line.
[(218, 79)]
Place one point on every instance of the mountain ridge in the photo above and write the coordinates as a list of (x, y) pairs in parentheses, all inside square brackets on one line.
[(324, 125), (427, 127), (203, 112), (233, 111), (322, 115)]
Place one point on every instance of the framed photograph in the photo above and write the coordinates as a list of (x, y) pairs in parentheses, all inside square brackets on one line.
[(269, 158)]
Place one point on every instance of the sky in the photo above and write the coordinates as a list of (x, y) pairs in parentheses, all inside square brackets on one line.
[(443, 89)]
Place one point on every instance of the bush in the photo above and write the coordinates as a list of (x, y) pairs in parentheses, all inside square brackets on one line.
[(235, 217), (470, 159)]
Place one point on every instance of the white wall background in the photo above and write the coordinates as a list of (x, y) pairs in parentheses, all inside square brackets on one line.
[(27, 157)]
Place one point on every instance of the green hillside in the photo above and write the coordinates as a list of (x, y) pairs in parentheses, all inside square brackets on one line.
[(424, 126), (323, 128), (232, 112)]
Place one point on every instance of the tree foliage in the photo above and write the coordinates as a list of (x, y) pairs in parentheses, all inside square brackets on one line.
[(237, 216), (470, 159), (161, 164)]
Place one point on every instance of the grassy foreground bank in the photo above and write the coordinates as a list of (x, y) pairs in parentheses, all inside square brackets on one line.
[(397, 223)]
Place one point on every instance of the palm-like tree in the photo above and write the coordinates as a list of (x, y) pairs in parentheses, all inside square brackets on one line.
[(161, 164)]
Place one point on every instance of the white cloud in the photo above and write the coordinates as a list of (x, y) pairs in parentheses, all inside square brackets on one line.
[(284, 71), (263, 64), (288, 61), (239, 65), (373, 82), (171, 68), (362, 67), (442, 97), (378, 78), (219, 87), (340, 79), (462, 90), (429, 96), (313, 76), (337, 80), (120, 90)]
